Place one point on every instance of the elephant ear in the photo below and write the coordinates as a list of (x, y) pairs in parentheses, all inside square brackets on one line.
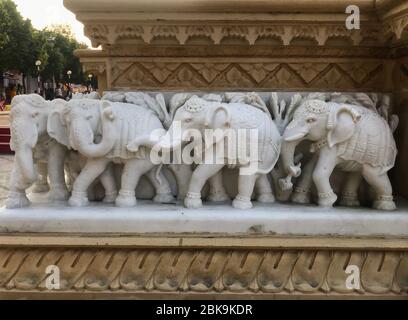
[(341, 124), (57, 127), (218, 118), (108, 111)]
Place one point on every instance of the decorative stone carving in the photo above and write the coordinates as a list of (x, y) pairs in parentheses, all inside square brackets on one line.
[(227, 75), (226, 46), (353, 138), (199, 114), (205, 271), (116, 129), (116, 124), (349, 185), (216, 33), (98, 67), (182, 172), (396, 26), (33, 145)]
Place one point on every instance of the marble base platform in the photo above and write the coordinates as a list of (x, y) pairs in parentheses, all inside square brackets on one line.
[(217, 252), (151, 218)]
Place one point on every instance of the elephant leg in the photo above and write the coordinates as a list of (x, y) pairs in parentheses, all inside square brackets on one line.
[(321, 176), (73, 166), (182, 173), (162, 187), (302, 193), (382, 186), (41, 185), (246, 185), (349, 194), (109, 184), (133, 170), (17, 197), (264, 190), (200, 176), (92, 170), (217, 191), (56, 173)]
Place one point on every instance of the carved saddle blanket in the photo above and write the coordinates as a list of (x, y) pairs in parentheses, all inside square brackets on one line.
[(133, 121), (252, 119), (373, 143)]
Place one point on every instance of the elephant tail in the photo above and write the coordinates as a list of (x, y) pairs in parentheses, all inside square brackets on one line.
[(257, 170), (157, 174)]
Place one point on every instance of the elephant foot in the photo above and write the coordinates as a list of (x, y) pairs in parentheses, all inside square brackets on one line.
[(218, 196), (58, 194), (349, 200), (126, 199), (242, 203), (301, 196), (40, 188), (78, 199), (17, 200), (327, 200), (385, 203), (163, 198), (266, 198), (110, 197), (193, 201)]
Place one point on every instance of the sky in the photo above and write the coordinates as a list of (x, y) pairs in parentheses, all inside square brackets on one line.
[(43, 13)]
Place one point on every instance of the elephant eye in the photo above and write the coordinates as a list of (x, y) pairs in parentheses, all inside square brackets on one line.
[(311, 120), (188, 120), (35, 114), (89, 117)]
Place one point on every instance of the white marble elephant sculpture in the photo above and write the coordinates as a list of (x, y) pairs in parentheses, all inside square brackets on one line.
[(35, 151), (199, 115), (182, 172), (101, 131), (346, 184), (75, 162), (352, 138)]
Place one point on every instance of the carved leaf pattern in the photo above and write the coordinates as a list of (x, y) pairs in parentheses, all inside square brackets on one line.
[(179, 270)]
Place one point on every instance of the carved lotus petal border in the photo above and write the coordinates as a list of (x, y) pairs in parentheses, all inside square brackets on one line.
[(102, 34), (205, 271)]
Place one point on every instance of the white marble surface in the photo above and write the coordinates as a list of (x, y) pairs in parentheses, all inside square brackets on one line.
[(147, 217)]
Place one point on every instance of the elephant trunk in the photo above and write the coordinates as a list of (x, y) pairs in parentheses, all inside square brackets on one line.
[(82, 139), (24, 160), (24, 138), (288, 155), (170, 141)]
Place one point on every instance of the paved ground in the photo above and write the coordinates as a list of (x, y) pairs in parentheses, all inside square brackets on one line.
[(6, 164)]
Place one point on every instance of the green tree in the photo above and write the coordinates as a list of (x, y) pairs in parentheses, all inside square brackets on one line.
[(17, 50), (59, 45), (21, 46), (4, 23)]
